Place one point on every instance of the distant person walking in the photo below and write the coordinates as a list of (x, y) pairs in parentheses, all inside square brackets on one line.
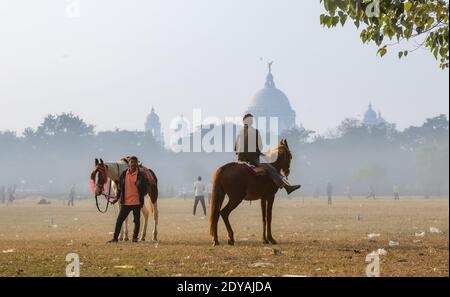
[(329, 192), (371, 193), (71, 196), (396, 191), (2, 194), (11, 194), (199, 193)]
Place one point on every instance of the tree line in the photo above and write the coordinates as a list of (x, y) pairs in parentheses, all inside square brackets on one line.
[(60, 152)]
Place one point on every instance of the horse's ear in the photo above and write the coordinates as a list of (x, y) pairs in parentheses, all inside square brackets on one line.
[(282, 141), (96, 161), (101, 161), (285, 143)]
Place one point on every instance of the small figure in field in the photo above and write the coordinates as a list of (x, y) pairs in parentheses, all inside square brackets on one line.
[(199, 194), (329, 192), (11, 194), (2, 194), (348, 192), (71, 196), (396, 191), (371, 193)]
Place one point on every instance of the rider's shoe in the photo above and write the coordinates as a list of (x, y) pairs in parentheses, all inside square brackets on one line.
[(289, 189)]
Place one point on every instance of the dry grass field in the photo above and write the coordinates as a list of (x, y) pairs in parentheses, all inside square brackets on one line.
[(314, 239)]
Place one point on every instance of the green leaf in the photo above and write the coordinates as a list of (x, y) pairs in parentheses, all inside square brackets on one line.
[(408, 6), (382, 51)]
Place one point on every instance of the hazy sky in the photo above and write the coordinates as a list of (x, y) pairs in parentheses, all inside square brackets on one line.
[(119, 58)]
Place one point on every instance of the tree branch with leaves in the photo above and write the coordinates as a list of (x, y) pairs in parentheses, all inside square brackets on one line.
[(389, 22)]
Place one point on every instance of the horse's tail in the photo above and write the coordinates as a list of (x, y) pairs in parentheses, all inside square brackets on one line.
[(217, 197)]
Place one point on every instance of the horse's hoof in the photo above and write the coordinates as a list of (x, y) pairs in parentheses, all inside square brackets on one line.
[(216, 243), (142, 239), (127, 239), (230, 242), (273, 241), (265, 241)]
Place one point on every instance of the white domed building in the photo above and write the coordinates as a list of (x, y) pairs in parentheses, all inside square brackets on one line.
[(153, 126), (371, 118), (271, 102)]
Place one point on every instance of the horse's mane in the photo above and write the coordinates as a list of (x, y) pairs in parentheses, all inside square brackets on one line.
[(124, 160), (276, 149)]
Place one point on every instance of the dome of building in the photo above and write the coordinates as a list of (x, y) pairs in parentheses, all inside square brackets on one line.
[(152, 117), (153, 125), (370, 117), (272, 102)]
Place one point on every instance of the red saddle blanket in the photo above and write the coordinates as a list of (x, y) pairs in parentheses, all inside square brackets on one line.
[(148, 175)]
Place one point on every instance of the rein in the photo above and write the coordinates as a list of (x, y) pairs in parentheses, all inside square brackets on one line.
[(108, 196)]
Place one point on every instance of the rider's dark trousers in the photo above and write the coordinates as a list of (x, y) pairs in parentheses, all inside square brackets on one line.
[(123, 214), (202, 201), (271, 171), (273, 174)]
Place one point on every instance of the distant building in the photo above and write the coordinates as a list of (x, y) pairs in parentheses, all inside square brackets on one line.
[(371, 118), (153, 126), (272, 102)]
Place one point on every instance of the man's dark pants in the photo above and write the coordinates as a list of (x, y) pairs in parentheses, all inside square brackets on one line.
[(123, 213), (202, 201), (271, 171)]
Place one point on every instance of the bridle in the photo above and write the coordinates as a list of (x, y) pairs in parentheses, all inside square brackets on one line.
[(108, 196), (287, 157)]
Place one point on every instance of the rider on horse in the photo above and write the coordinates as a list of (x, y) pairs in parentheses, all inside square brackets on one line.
[(248, 148)]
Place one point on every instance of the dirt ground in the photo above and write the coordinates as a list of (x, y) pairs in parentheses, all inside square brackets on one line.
[(314, 239)]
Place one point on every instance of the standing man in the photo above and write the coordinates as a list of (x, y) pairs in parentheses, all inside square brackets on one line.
[(2, 194), (71, 196), (131, 193), (371, 193), (11, 194), (329, 192), (199, 193), (396, 191)]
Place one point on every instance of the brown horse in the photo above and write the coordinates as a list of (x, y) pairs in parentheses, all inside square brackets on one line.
[(112, 170), (239, 183)]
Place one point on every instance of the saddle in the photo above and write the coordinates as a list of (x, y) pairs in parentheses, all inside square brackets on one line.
[(254, 170), (148, 175)]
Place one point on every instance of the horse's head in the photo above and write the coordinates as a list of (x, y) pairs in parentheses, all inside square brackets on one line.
[(284, 157), (99, 177)]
